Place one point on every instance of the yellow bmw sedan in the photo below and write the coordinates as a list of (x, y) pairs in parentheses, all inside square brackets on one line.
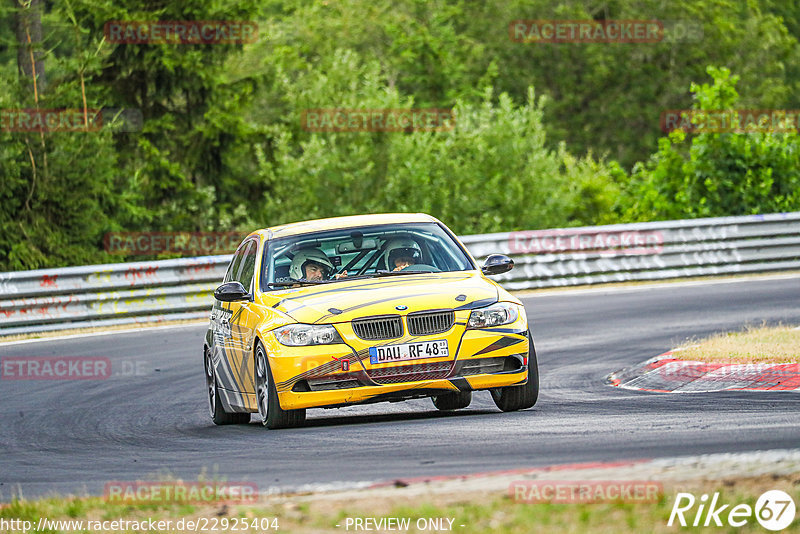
[(362, 309)]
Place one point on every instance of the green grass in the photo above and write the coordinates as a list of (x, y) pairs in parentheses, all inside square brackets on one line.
[(478, 514), (762, 344)]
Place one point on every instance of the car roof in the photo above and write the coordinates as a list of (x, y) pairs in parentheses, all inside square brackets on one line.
[(333, 223)]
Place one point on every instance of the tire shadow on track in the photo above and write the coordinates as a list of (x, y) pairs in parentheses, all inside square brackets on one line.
[(356, 419), (322, 420)]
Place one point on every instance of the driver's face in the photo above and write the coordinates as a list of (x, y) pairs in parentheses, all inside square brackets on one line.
[(314, 271), (403, 262)]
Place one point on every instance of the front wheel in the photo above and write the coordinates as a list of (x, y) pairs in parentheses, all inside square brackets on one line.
[(269, 409), (513, 398), (215, 409)]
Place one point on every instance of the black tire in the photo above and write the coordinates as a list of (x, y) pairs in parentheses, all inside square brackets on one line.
[(452, 401), (513, 398), (269, 408), (215, 409)]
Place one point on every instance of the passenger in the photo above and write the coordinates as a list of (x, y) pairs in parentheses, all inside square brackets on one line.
[(402, 253)]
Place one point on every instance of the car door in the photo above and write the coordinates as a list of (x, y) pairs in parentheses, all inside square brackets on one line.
[(242, 327), (221, 316)]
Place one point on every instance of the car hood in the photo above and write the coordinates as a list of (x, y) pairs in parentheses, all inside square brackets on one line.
[(347, 300)]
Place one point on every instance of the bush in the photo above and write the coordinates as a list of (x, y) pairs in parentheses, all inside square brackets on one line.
[(492, 172), (716, 174)]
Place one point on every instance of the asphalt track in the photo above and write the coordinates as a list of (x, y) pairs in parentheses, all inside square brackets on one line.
[(149, 419)]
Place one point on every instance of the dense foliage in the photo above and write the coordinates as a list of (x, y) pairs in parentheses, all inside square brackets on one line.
[(716, 174), (546, 135)]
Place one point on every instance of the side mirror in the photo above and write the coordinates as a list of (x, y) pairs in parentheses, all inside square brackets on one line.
[(497, 264), (231, 292)]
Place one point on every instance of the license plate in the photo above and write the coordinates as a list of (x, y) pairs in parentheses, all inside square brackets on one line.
[(409, 351)]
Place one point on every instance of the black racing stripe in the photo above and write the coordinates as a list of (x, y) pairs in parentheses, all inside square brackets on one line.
[(321, 370), (374, 283), (370, 303), (461, 383), (295, 306), (333, 365), (223, 371), (502, 331), (239, 372), (477, 304), (227, 373), (228, 399), (501, 343)]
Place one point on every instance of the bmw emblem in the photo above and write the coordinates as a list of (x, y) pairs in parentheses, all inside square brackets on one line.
[(401, 308)]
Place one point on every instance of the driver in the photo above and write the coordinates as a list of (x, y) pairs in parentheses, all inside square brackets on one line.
[(312, 264), (401, 253)]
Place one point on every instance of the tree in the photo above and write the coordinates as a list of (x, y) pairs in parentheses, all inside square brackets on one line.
[(716, 174), (28, 29), (491, 172)]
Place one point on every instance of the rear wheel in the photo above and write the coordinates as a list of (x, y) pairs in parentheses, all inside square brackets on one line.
[(215, 409), (452, 401), (513, 398), (269, 409)]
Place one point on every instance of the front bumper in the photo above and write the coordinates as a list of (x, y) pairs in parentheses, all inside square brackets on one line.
[(291, 400), (339, 375)]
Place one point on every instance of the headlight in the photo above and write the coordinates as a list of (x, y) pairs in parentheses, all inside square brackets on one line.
[(494, 315), (300, 335)]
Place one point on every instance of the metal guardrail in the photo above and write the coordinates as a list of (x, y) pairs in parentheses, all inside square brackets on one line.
[(108, 295), (645, 251), (130, 293)]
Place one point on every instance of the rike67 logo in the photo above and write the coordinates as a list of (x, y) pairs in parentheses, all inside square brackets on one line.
[(774, 510)]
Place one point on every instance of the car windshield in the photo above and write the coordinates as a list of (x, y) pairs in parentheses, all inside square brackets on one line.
[(383, 250)]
